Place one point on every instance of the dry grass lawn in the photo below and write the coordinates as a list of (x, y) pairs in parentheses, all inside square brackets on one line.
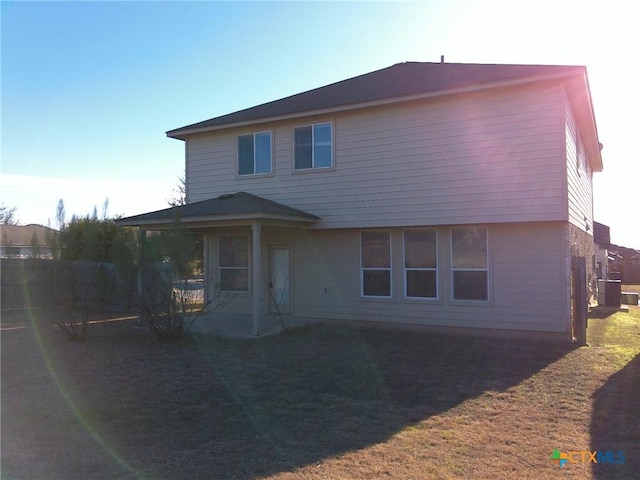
[(320, 403), (630, 288)]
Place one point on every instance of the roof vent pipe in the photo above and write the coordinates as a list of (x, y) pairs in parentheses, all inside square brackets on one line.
[(441, 58)]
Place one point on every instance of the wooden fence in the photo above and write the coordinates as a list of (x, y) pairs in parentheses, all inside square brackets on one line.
[(36, 283)]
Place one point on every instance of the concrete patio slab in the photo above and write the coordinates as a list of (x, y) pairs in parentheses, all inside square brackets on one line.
[(240, 326)]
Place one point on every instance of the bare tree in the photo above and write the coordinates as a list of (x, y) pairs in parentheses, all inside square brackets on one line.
[(60, 215), (35, 246), (8, 215), (105, 209), (179, 194)]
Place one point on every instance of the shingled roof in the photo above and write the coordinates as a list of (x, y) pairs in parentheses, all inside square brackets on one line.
[(233, 206), (22, 235), (398, 82)]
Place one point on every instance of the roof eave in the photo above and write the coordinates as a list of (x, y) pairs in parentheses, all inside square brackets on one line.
[(596, 157), (245, 218), (183, 133)]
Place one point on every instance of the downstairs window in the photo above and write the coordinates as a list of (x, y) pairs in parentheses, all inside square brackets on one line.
[(233, 263), (375, 264), (421, 263), (469, 263)]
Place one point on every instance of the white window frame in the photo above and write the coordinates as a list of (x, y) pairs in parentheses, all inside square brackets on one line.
[(313, 144), (389, 268), (470, 269), (425, 269), (247, 268), (253, 135)]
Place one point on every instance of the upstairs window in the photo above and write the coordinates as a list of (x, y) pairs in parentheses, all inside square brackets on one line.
[(254, 153), (313, 146), (375, 261), (469, 262), (421, 263), (233, 263)]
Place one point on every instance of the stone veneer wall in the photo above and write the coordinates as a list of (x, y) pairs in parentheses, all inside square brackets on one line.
[(581, 245)]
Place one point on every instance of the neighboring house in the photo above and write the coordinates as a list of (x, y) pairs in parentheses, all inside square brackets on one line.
[(602, 243), (624, 264), (613, 261), (25, 241), (632, 269), (425, 194)]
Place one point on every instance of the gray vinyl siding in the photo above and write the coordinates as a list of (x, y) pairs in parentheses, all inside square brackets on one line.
[(526, 279), (477, 158), (579, 175)]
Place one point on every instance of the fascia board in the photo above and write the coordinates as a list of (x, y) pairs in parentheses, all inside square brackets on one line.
[(245, 218)]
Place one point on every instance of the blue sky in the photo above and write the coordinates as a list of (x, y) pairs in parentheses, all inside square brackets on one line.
[(89, 88)]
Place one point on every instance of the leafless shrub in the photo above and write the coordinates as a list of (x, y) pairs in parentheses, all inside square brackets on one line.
[(277, 301), (66, 319), (171, 308), (66, 316)]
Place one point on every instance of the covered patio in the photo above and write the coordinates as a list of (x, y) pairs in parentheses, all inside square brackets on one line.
[(237, 212)]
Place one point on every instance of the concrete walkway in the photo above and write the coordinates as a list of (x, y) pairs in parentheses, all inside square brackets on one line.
[(240, 326)]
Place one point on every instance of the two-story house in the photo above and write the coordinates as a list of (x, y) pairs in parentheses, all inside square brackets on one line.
[(424, 194)]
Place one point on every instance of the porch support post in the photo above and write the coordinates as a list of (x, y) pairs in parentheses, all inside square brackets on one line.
[(205, 268), (257, 275), (140, 274)]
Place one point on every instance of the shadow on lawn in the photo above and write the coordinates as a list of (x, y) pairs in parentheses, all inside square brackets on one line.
[(602, 312), (219, 408), (299, 398), (615, 422)]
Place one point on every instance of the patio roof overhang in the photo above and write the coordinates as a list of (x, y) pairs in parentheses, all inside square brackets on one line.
[(232, 209), (235, 209)]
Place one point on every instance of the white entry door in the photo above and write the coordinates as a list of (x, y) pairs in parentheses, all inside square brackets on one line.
[(280, 280)]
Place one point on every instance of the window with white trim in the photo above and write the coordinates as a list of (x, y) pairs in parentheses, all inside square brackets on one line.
[(421, 263), (375, 264), (469, 263), (313, 146), (233, 263), (254, 153)]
